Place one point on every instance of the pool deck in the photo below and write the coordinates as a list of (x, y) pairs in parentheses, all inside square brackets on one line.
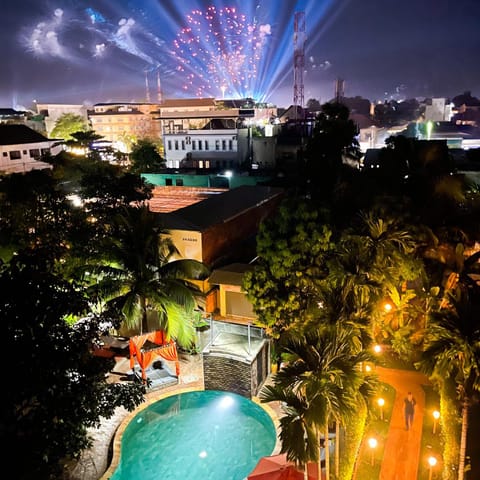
[(94, 462)]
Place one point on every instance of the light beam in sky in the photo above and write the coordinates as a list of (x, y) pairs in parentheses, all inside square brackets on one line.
[(234, 50)]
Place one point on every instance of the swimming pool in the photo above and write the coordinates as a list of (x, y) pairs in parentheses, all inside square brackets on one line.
[(199, 435)]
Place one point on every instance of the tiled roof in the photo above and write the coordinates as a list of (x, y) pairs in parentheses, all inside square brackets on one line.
[(19, 134), (219, 208)]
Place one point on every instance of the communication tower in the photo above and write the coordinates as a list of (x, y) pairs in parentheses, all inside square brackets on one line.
[(159, 88), (147, 88), (298, 59), (339, 89)]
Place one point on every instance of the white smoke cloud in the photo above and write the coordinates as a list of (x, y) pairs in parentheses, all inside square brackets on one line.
[(99, 50), (44, 41)]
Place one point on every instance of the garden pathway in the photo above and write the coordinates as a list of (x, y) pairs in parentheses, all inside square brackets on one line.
[(401, 456)]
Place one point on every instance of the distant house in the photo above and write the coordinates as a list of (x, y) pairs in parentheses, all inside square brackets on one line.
[(51, 112), (231, 301), (22, 149), (9, 116)]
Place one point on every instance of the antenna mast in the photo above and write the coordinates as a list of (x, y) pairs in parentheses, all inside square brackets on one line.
[(159, 88), (147, 88), (298, 59)]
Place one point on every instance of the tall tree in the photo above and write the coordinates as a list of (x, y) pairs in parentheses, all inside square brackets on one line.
[(333, 141), (57, 388), (321, 384), (145, 158), (452, 352), (35, 212), (139, 274), (291, 249), (67, 124)]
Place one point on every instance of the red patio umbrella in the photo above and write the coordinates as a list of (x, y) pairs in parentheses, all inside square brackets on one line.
[(275, 467)]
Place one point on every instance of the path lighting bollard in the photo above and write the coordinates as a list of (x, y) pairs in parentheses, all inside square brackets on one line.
[(372, 443), (381, 403), (436, 416), (432, 461)]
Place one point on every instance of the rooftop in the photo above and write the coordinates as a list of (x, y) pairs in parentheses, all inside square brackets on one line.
[(219, 208), (19, 134)]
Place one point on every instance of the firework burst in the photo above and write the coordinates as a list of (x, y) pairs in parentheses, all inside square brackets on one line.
[(219, 51)]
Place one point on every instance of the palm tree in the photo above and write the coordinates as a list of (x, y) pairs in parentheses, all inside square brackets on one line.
[(140, 275), (452, 352), (320, 385)]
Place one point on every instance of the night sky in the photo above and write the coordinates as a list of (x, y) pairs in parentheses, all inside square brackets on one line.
[(74, 51)]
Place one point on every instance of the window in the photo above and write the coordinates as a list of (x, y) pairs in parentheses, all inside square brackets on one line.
[(35, 153), (5, 154), (194, 145), (15, 155), (169, 145), (217, 144), (200, 145), (45, 151), (176, 144), (224, 144), (207, 145), (183, 144), (230, 145), (168, 182), (24, 152), (179, 182)]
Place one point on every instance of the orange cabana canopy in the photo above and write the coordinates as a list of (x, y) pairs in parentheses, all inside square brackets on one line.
[(145, 348)]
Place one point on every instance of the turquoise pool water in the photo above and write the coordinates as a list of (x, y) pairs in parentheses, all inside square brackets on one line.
[(204, 435)]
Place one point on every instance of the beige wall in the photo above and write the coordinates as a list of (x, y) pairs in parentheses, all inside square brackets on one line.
[(188, 243)]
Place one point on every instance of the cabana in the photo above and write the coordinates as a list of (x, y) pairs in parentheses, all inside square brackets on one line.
[(146, 348)]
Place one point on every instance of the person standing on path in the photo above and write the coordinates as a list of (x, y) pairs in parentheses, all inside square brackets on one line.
[(409, 410)]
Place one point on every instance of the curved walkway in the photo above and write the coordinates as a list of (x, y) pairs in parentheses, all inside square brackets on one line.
[(401, 455)]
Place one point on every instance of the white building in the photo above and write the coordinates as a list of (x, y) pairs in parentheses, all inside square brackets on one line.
[(438, 111), (203, 133), (22, 149)]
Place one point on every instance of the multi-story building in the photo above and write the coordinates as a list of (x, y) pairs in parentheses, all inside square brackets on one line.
[(124, 123), (205, 133)]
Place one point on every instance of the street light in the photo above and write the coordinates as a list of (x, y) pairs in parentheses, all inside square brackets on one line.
[(432, 461), (436, 416), (372, 443), (377, 348), (381, 403)]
